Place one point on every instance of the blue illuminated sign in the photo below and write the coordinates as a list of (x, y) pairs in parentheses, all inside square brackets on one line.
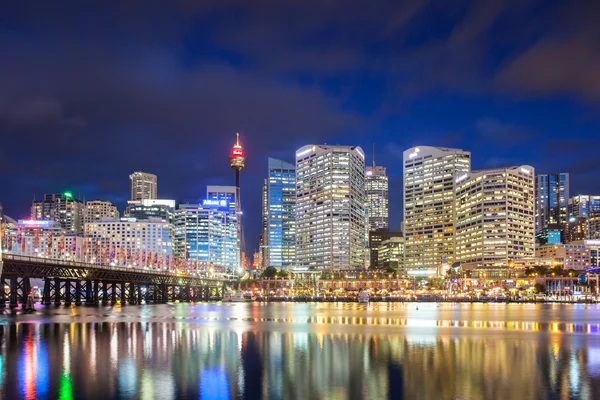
[(215, 203), (553, 237)]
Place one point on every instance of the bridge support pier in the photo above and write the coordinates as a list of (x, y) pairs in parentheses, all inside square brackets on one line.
[(68, 292), (131, 297), (139, 294), (77, 292), (165, 293), (46, 295), (26, 284), (14, 299), (113, 294), (123, 296), (95, 293), (104, 293), (88, 292), (56, 291), (2, 294)]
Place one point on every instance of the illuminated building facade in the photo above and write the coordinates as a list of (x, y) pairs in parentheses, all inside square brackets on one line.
[(225, 198), (581, 205), (280, 218), (376, 237), (143, 186), (575, 230), (94, 210), (391, 254), (130, 235), (62, 208), (263, 237), (592, 225), (551, 199), (202, 232), (429, 213), (330, 208), (376, 186), (152, 209), (24, 241), (495, 216), (570, 256)]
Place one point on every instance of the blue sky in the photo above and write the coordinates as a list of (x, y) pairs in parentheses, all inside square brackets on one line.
[(90, 93)]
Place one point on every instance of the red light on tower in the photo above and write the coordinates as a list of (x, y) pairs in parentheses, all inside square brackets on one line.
[(237, 159)]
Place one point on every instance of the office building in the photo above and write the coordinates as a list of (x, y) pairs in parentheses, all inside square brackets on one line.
[(280, 218), (580, 205), (225, 198), (391, 255), (127, 241), (263, 237), (569, 256), (376, 186), (495, 216), (205, 232), (94, 210), (376, 237), (62, 208), (152, 209), (592, 226), (429, 213), (575, 230), (330, 208), (551, 197), (144, 186)]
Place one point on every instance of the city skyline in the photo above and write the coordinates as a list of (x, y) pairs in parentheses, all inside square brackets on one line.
[(435, 77)]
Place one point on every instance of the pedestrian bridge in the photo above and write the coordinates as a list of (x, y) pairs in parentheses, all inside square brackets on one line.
[(86, 283)]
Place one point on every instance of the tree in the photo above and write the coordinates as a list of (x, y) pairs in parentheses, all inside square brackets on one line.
[(283, 273), (539, 288), (269, 272)]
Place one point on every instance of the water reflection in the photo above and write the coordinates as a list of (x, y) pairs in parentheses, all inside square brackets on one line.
[(166, 360)]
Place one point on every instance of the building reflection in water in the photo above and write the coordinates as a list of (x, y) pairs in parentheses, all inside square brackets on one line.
[(151, 360)]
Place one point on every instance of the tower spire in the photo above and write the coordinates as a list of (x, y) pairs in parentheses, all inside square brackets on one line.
[(373, 154)]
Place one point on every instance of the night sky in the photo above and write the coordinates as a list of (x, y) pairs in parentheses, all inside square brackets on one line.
[(90, 93)]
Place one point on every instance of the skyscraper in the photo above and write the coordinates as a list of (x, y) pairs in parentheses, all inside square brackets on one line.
[(495, 216), (330, 208), (62, 208), (94, 210), (143, 186), (580, 205), (376, 185), (280, 222), (552, 196), (152, 209), (429, 212), (203, 233), (224, 197)]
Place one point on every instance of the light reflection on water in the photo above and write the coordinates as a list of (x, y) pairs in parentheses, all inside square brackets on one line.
[(302, 351)]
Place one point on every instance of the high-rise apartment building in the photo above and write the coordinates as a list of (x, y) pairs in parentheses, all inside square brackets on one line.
[(130, 238), (495, 216), (225, 197), (551, 198), (62, 208), (263, 237), (429, 212), (280, 218), (580, 205), (592, 226), (206, 234), (143, 186), (330, 208), (152, 209), (94, 210), (376, 185)]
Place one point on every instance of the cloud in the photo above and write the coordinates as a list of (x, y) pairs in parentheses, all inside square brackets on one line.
[(564, 60), (491, 129)]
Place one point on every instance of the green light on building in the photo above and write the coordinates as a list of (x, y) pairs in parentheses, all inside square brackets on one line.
[(68, 195)]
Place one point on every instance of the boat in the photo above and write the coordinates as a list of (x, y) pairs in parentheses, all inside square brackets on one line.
[(363, 297), (237, 297)]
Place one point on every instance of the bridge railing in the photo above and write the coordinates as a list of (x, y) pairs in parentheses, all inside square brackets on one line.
[(69, 263)]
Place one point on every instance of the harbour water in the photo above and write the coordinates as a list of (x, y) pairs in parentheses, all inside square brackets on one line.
[(303, 351)]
